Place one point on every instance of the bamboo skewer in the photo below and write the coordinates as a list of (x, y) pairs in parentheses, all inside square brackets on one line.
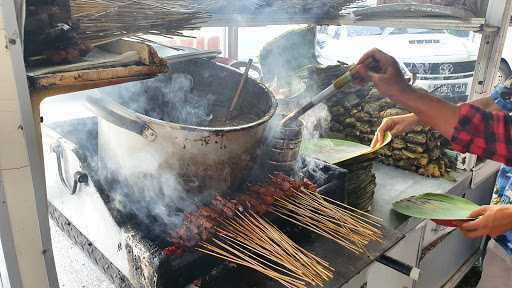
[(251, 241), (346, 226), (102, 21), (276, 238)]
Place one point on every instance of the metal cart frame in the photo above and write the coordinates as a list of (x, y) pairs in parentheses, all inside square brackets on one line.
[(24, 229)]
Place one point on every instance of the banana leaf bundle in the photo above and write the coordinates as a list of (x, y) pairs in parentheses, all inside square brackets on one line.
[(357, 159), (357, 113), (442, 208)]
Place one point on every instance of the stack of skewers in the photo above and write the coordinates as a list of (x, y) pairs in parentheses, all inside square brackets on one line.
[(233, 230), (268, 8), (101, 21)]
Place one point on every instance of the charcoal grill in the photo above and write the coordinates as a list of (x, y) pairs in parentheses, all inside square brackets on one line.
[(129, 251)]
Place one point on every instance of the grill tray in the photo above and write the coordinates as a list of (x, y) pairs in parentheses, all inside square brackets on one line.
[(147, 264)]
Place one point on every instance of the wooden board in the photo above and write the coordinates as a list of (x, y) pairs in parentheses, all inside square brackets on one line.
[(114, 63)]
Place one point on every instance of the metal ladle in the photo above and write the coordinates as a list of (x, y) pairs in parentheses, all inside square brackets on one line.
[(330, 91)]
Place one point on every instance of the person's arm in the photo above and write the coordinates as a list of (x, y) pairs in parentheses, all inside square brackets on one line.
[(471, 129), (432, 111), (493, 220), (399, 125), (486, 103)]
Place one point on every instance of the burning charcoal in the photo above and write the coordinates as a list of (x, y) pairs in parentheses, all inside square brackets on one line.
[(170, 251)]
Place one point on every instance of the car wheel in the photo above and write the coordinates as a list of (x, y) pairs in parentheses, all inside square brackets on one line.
[(503, 74)]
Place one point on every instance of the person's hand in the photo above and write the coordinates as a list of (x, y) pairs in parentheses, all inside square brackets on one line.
[(396, 125), (389, 79), (493, 220)]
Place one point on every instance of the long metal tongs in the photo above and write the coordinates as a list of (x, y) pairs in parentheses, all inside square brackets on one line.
[(330, 91)]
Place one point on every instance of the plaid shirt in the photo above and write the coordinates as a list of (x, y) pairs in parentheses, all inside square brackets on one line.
[(486, 134)]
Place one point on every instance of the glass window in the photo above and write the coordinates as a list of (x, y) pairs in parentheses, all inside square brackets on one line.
[(209, 38), (252, 39)]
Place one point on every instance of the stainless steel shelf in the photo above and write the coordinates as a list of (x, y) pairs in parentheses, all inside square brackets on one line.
[(472, 24)]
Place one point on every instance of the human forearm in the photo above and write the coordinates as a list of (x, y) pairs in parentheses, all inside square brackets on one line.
[(431, 111), (492, 220), (470, 128), (486, 104), (390, 82)]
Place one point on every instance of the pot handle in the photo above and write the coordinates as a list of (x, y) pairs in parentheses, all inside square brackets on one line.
[(120, 116), (79, 177)]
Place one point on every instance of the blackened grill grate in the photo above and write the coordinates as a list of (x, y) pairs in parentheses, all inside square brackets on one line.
[(149, 267)]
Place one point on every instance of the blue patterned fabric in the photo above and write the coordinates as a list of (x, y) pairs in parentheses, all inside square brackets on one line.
[(503, 188), (503, 195), (503, 102)]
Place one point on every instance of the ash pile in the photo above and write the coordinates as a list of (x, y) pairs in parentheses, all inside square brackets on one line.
[(357, 113)]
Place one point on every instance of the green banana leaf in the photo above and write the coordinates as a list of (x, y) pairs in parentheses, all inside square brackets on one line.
[(334, 151), (436, 206)]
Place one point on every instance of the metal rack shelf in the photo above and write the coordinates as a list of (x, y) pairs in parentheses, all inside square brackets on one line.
[(471, 24), (23, 190)]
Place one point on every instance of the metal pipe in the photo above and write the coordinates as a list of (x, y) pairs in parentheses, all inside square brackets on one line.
[(24, 226)]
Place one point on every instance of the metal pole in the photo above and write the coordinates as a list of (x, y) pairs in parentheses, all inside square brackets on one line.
[(494, 33), (24, 227), (232, 42), (491, 47)]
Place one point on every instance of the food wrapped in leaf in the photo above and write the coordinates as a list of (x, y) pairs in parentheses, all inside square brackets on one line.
[(393, 112), (358, 122), (416, 138), (398, 143), (414, 148)]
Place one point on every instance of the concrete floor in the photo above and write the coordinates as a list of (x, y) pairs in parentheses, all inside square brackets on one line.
[(74, 269)]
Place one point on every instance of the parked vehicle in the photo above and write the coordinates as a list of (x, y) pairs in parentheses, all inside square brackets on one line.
[(505, 70), (442, 61)]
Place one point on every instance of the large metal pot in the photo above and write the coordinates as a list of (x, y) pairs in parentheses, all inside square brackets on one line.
[(202, 159)]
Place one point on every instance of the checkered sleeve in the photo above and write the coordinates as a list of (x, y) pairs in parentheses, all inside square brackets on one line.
[(486, 134)]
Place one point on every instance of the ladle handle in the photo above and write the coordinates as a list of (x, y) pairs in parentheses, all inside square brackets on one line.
[(120, 116), (338, 84)]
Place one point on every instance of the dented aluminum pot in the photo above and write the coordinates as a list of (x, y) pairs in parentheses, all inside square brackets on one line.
[(204, 159)]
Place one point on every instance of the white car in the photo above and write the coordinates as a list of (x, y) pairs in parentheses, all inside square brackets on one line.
[(504, 71), (443, 61)]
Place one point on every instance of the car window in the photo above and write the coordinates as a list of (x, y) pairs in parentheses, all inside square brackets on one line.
[(459, 33), (355, 31)]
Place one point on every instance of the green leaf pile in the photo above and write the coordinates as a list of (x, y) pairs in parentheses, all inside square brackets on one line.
[(436, 206), (335, 151), (332, 150)]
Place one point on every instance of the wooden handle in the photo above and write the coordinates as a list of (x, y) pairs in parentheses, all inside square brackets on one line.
[(239, 90)]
